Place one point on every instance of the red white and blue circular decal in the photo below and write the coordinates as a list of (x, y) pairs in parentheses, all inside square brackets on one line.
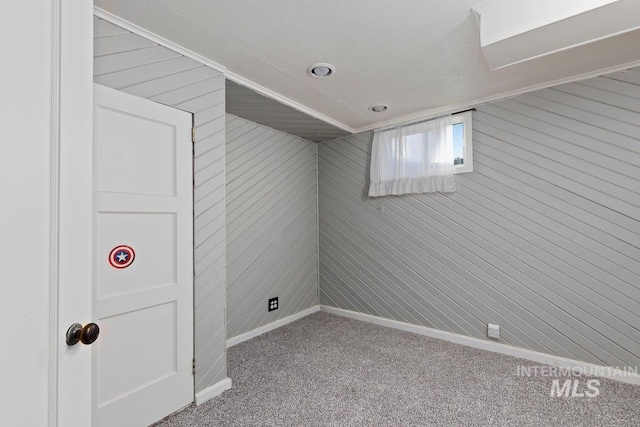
[(121, 256)]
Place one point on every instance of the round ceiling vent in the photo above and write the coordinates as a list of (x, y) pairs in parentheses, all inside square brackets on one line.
[(379, 108), (321, 70)]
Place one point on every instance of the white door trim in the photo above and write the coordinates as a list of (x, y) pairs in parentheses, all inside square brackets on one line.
[(70, 190), (53, 212)]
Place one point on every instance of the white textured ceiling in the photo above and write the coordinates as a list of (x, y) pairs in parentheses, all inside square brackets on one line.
[(421, 57)]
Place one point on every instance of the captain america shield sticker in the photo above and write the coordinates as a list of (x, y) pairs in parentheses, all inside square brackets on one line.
[(121, 256)]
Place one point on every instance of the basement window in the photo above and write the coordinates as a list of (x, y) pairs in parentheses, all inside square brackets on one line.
[(462, 143), (421, 157)]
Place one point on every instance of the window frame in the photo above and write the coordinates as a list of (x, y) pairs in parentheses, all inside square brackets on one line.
[(467, 147)]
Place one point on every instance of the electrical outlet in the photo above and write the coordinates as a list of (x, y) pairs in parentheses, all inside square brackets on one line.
[(273, 304), (493, 331)]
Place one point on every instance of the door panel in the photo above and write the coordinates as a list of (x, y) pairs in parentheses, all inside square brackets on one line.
[(127, 164), (154, 235), (148, 361), (143, 260)]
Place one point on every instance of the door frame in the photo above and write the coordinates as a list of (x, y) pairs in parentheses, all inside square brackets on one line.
[(71, 165), (71, 211)]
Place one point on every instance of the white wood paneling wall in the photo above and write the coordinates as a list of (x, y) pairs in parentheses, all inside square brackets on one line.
[(271, 224), (542, 238), (138, 66)]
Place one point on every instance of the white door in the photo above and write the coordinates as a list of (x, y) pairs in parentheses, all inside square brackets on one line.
[(143, 260)]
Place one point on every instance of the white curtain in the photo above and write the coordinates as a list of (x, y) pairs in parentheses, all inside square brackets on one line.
[(416, 158)]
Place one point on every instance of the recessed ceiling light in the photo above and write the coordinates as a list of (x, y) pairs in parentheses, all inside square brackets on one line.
[(379, 108), (321, 70)]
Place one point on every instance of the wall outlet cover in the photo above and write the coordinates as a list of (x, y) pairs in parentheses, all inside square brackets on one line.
[(493, 331), (273, 304)]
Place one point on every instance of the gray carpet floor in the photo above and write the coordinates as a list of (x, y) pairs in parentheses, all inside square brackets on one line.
[(326, 370)]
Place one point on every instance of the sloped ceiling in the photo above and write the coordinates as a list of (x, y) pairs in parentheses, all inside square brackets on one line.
[(422, 57), (250, 105)]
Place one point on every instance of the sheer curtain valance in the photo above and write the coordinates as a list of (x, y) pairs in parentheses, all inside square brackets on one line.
[(416, 158)]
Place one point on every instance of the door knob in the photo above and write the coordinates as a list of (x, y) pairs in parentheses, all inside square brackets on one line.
[(87, 334)]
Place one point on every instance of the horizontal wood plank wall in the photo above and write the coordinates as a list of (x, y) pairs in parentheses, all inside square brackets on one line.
[(138, 66), (542, 238), (271, 224)]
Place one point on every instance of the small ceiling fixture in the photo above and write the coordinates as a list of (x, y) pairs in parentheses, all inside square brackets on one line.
[(379, 108), (321, 70)]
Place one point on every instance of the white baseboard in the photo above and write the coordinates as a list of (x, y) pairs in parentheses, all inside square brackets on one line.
[(213, 391), (271, 326), (535, 356)]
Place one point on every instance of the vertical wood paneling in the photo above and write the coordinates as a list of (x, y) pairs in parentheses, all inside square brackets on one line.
[(271, 224), (542, 238), (130, 63)]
